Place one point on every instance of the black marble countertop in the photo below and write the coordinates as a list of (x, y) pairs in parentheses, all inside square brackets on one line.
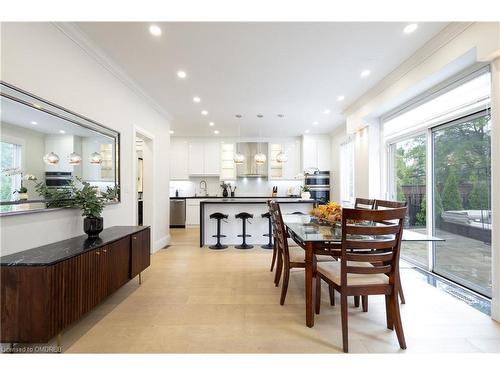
[(65, 249), (259, 200), (219, 197)]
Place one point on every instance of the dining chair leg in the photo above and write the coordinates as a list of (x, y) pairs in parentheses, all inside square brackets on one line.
[(396, 317), (279, 268), (284, 286), (388, 312), (356, 301), (400, 290), (364, 303), (343, 308), (318, 294), (274, 256), (331, 290)]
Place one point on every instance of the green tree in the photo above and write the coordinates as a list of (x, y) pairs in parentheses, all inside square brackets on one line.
[(451, 195), (421, 218), (478, 197)]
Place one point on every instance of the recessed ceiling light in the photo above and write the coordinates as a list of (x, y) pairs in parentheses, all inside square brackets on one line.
[(204, 112), (315, 123), (34, 123), (171, 132), (62, 131), (155, 30), (196, 99), (181, 74), (238, 116), (211, 123), (306, 131), (410, 28), (280, 115), (326, 111), (340, 98), (216, 132), (365, 73)]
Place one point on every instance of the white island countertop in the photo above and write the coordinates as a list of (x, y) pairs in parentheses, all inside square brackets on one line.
[(256, 227)]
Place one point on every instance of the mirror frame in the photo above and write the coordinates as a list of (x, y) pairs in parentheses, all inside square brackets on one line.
[(24, 97)]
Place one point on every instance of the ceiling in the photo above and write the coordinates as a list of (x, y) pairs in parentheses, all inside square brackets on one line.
[(295, 69)]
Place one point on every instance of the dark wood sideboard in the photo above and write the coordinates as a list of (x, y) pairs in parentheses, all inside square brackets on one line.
[(45, 289)]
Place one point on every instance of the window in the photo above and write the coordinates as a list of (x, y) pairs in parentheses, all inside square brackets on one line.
[(440, 161), (347, 171), (409, 185), (11, 168)]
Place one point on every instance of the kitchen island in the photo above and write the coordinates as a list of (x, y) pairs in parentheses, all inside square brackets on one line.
[(257, 227)]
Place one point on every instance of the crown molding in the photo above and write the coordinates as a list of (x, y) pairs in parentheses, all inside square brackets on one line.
[(77, 36), (445, 36)]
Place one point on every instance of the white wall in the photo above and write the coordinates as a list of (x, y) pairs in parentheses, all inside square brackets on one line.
[(41, 59), (338, 136)]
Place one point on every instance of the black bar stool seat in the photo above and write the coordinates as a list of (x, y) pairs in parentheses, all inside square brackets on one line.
[(219, 217), (244, 216), (269, 234)]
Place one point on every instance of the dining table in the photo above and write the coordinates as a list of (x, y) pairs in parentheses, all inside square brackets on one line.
[(321, 238)]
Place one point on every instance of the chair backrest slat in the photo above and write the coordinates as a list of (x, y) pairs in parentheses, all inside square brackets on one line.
[(380, 204), (377, 246), (364, 203), (280, 234)]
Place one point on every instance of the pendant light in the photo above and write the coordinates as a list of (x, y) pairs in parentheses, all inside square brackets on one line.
[(259, 157), (74, 159), (51, 158), (238, 157), (281, 157), (95, 158)]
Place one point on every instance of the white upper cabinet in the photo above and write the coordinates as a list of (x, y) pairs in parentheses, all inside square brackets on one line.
[(178, 159), (227, 168), (284, 170), (316, 152), (212, 160), (204, 158)]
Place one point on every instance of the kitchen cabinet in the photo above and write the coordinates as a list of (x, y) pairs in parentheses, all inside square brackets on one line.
[(289, 169), (46, 289), (178, 159), (204, 158), (193, 212), (227, 166), (316, 152)]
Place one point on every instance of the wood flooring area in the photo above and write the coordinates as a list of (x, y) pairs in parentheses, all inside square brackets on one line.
[(196, 300)]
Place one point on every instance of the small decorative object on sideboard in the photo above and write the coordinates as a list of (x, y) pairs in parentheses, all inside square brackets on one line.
[(84, 196), (306, 193), (232, 190)]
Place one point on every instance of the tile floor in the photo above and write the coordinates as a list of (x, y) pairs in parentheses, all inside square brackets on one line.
[(195, 300)]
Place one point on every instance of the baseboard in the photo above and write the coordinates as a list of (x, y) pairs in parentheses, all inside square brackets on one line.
[(161, 243), (495, 309)]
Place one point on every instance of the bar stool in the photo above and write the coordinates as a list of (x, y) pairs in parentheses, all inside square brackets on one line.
[(244, 216), (269, 233), (218, 216)]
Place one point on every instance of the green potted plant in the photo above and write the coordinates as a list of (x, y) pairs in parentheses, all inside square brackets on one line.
[(84, 196), (305, 192)]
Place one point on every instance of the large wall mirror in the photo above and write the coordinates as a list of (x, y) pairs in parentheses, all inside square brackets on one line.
[(41, 141)]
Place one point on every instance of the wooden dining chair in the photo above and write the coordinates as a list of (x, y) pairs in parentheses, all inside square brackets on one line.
[(288, 257), (369, 264), (364, 203), (383, 205)]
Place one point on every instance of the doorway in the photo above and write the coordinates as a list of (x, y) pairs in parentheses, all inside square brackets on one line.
[(143, 165)]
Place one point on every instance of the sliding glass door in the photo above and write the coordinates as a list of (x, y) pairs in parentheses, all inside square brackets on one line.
[(462, 201), (409, 185)]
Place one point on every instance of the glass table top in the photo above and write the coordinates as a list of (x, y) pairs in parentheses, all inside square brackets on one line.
[(307, 229)]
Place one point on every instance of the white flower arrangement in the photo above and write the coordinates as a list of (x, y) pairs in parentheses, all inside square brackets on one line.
[(30, 177)]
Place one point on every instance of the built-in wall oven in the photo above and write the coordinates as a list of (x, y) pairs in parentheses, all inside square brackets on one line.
[(58, 180), (319, 185)]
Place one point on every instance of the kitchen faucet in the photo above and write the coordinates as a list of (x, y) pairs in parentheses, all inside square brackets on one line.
[(203, 187)]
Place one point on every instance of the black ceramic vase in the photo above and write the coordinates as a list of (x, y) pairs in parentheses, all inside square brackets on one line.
[(225, 192), (93, 226)]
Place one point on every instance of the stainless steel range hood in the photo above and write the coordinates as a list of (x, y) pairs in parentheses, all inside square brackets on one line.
[(249, 168)]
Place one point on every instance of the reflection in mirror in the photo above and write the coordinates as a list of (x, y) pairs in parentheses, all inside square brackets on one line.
[(41, 142)]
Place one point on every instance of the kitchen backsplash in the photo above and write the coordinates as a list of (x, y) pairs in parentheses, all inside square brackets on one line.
[(245, 187)]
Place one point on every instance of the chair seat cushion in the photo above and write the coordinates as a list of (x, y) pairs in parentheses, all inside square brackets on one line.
[(331, 270), (297, 254)]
